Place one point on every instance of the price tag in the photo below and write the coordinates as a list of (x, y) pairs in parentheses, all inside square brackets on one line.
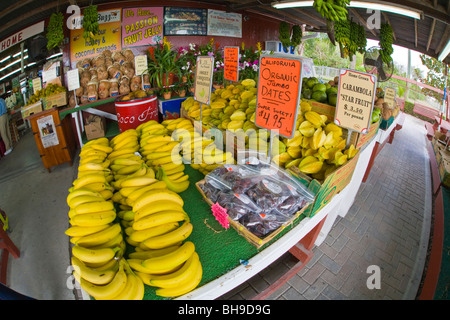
[(356, 95), (203, 79), (231, 63), (279, 88), (37, 84), (140, 63), (221, 215), (73, 79), (389, 97)]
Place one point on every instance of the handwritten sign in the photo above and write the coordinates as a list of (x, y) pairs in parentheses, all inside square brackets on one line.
[(389, 97), (142, 26), (140, 63), (203, 79), (231, 62), (37, 84), (279, 87), (356, 96), (73, 79)]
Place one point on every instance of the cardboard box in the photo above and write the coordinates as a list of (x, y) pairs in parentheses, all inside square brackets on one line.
[(31, 109), (170, 109), (56, 100), (95, 127), (360, 140), (327, 189)]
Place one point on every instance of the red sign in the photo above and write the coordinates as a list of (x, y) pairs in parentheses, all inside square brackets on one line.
[(231, 61), (279, 88)]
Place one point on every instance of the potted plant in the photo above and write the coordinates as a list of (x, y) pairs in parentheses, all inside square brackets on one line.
[(166, 92), (162, 64)]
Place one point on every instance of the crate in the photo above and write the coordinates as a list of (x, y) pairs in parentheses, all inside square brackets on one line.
[(56, 100), (31, 109), (249, 236)]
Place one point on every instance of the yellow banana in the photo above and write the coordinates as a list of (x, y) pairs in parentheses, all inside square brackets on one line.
[(115, 242), (123, 135), (90, 166), (169, 238), (125, 142), (174, 170), (91, 152), (129, 169), (136, 264), (177, 175), (157, 206), (102, 147), (158, 155), (108, 291), (94, 206), (156, 195), (93, 275), (98, 186), (175, 159), (147, 254), (170, 260), (183, 288), (80, 192), (159, 185), (177, 187), (100, 237), (101, 140), (159, 218), (94, 255), (88, 179), (75, 201), (93, 219), (179, 277), (138, 182), (180, 179), (113, 155), (106, 194), (76, 231), (134, 289), (125, 161)]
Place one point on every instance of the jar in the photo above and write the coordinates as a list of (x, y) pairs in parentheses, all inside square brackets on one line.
[(93, 72), (92, 91), (114, 87), (129, 71), (124, 88), (146, 82), (108, 62), (86, 63), (85, 77), (84, 97), (98, 61), (129, 55), (107, 53), (118, 57), (103, 89)]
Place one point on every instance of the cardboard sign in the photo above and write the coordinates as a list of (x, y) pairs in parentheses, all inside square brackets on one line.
[(140, 63), (37, 84), (356, 95), (231, 61), (73, 79), (279, 88), (389, 97), (203, 79)]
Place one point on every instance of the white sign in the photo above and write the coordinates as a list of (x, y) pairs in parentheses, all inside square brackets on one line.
[(37, 84), (47, 131), (21, 36), (73, 79), (140, 63), (103, 17), (227, 24)]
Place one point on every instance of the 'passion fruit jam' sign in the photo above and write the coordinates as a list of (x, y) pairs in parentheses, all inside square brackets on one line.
[(279, 88), (356, 95)]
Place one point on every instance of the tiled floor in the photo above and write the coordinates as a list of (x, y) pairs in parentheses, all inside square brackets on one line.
[(387, 226)]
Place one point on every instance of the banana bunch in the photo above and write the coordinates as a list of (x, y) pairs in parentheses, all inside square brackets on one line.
[(333, 10), (192, 108), (386, 41), (174, 270), (318, 146)]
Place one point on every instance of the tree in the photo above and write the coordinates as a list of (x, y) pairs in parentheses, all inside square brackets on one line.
[(435, 76)]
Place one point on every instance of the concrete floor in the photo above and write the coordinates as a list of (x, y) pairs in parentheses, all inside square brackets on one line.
[(391, 207)]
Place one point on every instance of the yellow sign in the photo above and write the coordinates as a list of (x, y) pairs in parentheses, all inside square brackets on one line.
[(109, 37), (356, 96)]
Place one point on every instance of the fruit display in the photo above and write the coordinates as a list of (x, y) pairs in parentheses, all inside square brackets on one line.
[(138, 94), (381, 109), (386, 41), (90, 23), (332, 10), (313, 89), (49, 90), (351, 37), (55, 32), (259, 196)]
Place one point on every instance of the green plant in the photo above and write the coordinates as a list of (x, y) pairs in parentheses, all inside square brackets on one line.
[(386, 41), (90, 23), (162, 61)]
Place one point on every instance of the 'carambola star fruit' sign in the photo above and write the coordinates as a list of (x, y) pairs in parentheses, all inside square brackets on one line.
[(356, 96)]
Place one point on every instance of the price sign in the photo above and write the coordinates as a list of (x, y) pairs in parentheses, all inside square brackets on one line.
[(389, 97), (140, 63), (73, 79), (356, 95), (231, 63), (203, 79), (279, 88), (37, 84)]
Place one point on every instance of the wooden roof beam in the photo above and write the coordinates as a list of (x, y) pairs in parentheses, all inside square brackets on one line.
[(430, 36), (281, 12), (362, 20), (415, 32), (388, 21)]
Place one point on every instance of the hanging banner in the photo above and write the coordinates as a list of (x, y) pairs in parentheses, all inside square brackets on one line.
[(231, 63), (22, 35), (142, 26), (279, 88), (227, 24), (108, 37), (356, 95), (203, 79)]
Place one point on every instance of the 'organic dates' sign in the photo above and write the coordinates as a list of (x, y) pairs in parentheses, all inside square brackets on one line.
[(279, 87)]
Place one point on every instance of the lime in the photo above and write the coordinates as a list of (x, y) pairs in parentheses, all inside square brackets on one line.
[(319, 87), (319, 96), (307, 94), (332, 90), (332, 99), (311, 82)]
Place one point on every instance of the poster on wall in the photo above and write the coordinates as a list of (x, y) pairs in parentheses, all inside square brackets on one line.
[(142, 26), (227, 24), (185, 21), (108, 37), (47, 131)]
